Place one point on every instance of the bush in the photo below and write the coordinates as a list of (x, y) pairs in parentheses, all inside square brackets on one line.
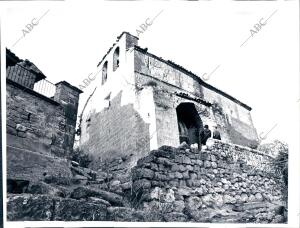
[(278, 150), (274, 148)]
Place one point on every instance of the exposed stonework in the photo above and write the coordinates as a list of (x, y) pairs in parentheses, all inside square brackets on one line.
[(174, 85), (142, 95), (220, 184), (222, 180), (145, 104), (124, 128), (39, 127)]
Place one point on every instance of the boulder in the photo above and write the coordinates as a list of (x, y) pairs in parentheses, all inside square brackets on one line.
[(201, 215), (28, 207), (184, 191), (166, 151), (138, 173), (193, 203), (184, 146), (178, 206), (126, 214), (169, 197), (207, 199), (156, 193), (101, 175), (96, 200), (244, 197), (75, 210), (214, 165), (140, 185), (207, 164), (79, 177), (148, 159), (175, 217), (115, 186), (85, 192), (217, 201), (164, 161), (250, 206), (46, 189), (229, 199), (126, 186), (88, 173), (259, 197), (58, 180), (199, 191)]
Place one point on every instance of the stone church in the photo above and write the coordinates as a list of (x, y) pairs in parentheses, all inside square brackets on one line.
[(141, 102)]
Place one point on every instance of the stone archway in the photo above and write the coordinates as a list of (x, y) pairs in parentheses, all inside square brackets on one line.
[(189, 123)]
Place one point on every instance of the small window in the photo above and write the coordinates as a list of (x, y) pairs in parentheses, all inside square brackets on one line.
[(104, 73), (116, 59)]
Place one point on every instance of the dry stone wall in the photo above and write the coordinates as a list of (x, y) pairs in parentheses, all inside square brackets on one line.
[(222, 183)]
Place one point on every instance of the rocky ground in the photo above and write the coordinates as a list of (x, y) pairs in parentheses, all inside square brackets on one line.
[(108, 195)]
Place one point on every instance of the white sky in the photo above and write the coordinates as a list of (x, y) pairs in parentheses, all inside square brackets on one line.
[(71, 39)]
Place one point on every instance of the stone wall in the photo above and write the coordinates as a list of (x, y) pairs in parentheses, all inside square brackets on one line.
[(223, 182), (35, 118), (68, 97), (173, 77), (167, 98), (121, 130), (40, 131)]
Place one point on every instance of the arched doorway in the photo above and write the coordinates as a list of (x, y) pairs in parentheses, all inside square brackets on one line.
[(189, 123)]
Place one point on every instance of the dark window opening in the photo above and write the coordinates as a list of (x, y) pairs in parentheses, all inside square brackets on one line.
[(104, 73), (116, 59)]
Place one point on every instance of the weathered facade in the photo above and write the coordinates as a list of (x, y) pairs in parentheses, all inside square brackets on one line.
[(142, 102), (41, 119)]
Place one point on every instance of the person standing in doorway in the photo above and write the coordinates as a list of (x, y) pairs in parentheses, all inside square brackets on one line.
[(216, 133), (205, 134)]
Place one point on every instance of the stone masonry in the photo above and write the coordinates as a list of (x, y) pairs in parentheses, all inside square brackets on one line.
[(140, 126), (140, 96), (224, 182), (40, 128)]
